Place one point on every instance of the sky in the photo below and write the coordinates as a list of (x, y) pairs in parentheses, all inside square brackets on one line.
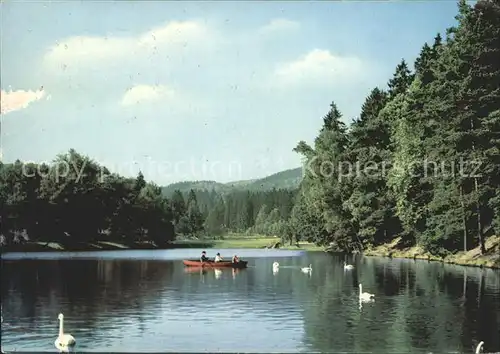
[(198, 90)]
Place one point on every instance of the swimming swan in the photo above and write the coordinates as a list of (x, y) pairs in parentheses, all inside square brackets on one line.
[(365, 296), (348, 266), (479, 347), (307, 269), (276, 265), (64, 340)]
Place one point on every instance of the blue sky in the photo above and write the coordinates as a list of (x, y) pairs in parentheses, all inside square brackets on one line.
[(195, 90)]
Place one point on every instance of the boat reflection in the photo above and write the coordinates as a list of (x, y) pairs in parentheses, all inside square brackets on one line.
[(195, 270), (235, 272), (217, 271)]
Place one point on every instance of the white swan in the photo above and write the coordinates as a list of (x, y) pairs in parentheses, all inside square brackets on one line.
[(307, 269), (365, 296), (348, 266), (276, 268), (479, 347), (64, 340)]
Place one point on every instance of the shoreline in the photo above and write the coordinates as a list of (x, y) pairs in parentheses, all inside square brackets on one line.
[(227, 243), (471, 258)]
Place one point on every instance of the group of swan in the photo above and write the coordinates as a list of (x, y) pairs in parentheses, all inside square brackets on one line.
[(276, 267), (66, 340), (63, 340), (363, 296)]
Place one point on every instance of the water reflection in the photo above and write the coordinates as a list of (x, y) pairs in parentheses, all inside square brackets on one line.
[(419, 305), (235, 272), (164, 306), (195, 270), (104, 299), (218, 273)]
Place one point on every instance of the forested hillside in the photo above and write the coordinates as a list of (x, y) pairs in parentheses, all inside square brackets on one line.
[(288, 179), (422, 160), (260, 206), (249, 212)]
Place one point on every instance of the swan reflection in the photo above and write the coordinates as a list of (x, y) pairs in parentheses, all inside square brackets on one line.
[(365, 301), (218, 273)]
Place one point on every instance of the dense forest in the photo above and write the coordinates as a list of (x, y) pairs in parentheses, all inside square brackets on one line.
[(421, 162), (70, 202), (242, 212), (75, 201)]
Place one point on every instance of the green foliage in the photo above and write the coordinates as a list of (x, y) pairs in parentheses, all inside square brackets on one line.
[(190, 221), (263, 213), (434, 139), (74, 201)]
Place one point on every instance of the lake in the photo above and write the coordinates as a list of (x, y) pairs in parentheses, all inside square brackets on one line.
[(145, 301)]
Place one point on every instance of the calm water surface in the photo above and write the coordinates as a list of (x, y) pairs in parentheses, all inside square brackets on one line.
[(145, 301)]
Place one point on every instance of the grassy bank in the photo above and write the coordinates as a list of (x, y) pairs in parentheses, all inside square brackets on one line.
[(263, 242), (244, 241), (231, 241), (491, 259)]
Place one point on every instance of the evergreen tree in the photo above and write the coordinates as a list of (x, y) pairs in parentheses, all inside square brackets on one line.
[(401, 80)]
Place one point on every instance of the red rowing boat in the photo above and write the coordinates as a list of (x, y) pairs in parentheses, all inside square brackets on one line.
[(212, 264)]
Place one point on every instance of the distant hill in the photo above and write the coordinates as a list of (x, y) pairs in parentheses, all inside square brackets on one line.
[(288, 179)]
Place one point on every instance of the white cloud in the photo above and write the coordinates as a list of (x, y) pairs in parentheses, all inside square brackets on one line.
[(14, 100), (145, 93), (85, 49), (280, 24), (319, 66)]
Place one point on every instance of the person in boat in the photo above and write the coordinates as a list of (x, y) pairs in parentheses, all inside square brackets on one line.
[(235, 259), (204, 257), (218, 258)]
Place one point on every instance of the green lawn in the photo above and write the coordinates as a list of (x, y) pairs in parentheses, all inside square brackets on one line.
[(244, 241)]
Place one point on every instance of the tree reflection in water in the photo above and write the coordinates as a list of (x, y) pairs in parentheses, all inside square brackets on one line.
[(420, 305)]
